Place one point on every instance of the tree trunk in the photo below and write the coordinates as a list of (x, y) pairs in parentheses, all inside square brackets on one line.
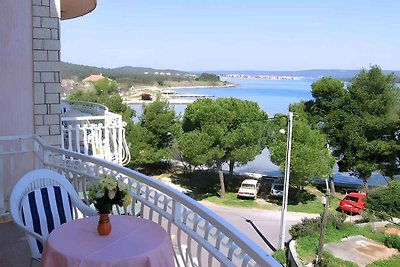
[(365, 180), (221, 180), (332, 185), (231, 166)]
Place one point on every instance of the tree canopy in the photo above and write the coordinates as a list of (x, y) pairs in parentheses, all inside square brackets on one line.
[(310, 157), (105, 93), (226, 130), (154, 134), (361, 120), (207, 77)]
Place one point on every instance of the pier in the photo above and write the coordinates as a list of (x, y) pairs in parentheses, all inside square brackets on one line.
[(170, 96), (189, 96)]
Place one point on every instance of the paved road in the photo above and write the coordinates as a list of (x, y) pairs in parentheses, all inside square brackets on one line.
[(257, 223)]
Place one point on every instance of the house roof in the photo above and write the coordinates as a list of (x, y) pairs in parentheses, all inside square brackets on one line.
[(93, 78)]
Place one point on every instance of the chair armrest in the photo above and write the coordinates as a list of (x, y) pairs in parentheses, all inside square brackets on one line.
[(87, 210), (31, 233)]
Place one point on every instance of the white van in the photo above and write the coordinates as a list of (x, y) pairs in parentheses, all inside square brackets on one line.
[(249, 188)]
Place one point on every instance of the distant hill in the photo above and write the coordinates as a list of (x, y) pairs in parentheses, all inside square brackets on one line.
[(312, 74), (138, 77), (78, 72)]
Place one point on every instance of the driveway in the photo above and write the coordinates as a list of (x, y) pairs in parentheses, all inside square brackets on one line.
[(262, 226)]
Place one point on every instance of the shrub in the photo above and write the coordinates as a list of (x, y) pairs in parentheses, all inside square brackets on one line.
[(305, 197), (306, 227), (385, 200), (392, 241), (337, 221), (280, 256), (367, 216)]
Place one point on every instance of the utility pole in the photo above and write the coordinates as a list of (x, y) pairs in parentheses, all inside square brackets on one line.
[(286, 183), (325, 202)]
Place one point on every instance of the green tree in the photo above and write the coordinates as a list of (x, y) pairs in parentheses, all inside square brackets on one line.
[(385, 201), (114, 103), (222, 131), (361, 121), (207, 77), (245, 138), (106, 86), (310, 157), (154, 134)]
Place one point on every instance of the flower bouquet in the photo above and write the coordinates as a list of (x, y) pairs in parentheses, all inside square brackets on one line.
[(106, 192)]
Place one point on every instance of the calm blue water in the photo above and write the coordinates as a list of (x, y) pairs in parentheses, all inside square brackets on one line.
[(273, 96)]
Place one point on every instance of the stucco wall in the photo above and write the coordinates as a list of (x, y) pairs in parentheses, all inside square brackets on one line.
[(16, 69)]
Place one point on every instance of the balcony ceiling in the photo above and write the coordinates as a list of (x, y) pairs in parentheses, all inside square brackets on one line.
[(76, 8)]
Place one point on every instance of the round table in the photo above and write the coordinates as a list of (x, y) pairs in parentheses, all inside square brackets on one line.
[(132, 242)]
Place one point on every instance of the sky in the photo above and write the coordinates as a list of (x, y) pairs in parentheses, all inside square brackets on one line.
[(199, 35)]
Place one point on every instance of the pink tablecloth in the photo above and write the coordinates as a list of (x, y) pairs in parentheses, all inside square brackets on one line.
[(132, 242)]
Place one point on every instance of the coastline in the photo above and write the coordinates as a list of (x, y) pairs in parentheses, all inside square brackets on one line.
[(201, 86), (170, 101), (135, 97)]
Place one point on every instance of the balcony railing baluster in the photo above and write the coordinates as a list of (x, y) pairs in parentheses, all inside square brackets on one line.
[(200, 237)]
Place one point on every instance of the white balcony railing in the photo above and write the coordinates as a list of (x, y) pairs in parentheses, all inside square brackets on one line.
[(91, 129), (199, 236)]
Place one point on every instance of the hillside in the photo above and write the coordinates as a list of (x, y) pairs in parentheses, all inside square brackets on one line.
[(138, 77), (75, 71)]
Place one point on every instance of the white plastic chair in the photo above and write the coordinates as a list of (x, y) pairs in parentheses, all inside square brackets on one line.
[(41, 201)]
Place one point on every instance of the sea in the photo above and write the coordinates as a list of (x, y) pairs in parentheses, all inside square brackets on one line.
[(274, 97)]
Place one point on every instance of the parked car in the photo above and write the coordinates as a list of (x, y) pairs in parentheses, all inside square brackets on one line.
[(353, 202), (276, 189), (249, 188)]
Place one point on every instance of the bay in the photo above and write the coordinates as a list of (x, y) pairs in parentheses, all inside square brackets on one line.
[(273, 96)]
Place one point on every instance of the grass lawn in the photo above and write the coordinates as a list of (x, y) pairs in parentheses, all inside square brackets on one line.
[(315, 205), (393, 261), (232, 200), (306, 246), (311, 206), (204, 185)]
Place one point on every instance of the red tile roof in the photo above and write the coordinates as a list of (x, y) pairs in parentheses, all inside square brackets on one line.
[(93, 78)]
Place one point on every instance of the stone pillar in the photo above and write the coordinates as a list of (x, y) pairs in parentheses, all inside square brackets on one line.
[(46, 69)]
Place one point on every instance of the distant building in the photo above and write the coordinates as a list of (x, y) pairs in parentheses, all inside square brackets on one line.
[(168, 92), (67, 84), (146, 97), (94, 78)]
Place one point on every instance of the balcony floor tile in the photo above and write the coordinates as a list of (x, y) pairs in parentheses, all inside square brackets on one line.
[(14, 250)]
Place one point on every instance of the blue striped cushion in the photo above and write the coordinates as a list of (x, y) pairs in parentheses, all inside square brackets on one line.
[(43, 210)]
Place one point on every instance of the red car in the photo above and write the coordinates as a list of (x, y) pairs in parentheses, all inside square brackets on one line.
[(353, 202)]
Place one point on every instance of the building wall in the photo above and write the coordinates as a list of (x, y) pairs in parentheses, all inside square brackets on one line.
[(46, 69), (30, 69), (16, 75)]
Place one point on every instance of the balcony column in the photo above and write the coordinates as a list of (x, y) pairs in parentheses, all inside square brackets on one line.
[(46, 69)]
